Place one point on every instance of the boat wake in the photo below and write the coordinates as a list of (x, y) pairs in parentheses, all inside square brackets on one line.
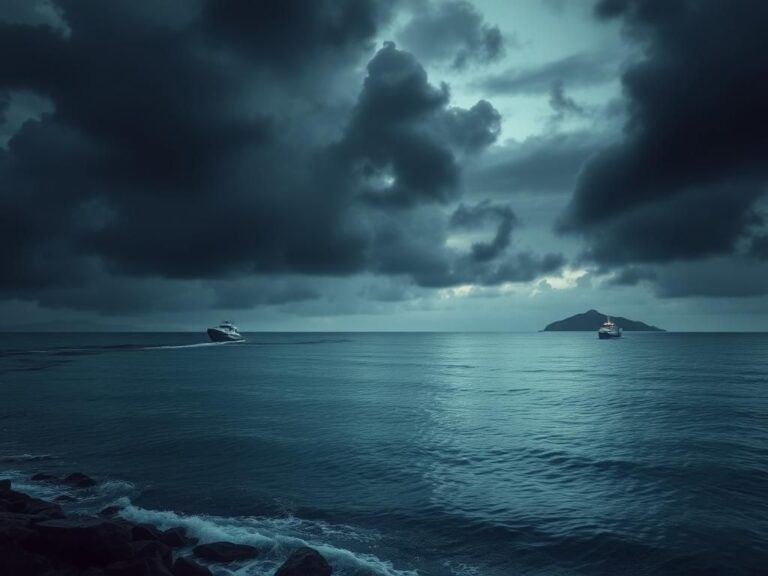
[(88, 350), (184, 346)]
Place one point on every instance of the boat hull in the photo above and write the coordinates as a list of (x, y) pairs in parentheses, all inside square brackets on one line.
[(608, 335), (221, 336)]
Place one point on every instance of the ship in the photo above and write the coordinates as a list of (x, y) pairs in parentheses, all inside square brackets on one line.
[(608, 330), (225, 332)]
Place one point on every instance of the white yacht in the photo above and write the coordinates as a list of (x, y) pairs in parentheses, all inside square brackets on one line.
[(608, 330), (225, 332)]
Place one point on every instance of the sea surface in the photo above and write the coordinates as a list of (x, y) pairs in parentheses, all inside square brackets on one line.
[(400, 454)]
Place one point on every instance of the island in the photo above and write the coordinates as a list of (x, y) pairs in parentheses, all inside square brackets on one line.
[(592, 319)]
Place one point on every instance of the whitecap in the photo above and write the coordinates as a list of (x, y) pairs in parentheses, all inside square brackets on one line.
[(276, 536)]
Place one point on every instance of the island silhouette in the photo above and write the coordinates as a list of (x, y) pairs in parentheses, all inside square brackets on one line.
[(592, 319)]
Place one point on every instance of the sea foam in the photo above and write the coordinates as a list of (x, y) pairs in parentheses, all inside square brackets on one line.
[(276, 536)]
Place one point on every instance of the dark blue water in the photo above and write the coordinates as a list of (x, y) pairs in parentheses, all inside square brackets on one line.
[(431, 454)]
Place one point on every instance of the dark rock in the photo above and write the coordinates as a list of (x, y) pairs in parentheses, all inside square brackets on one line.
[(153, 549), (14, 528), (137, 567), (10, 519), (5, 485), (146, 532), (43, 509), (225, 552), (74, 523), (67, 572), (82, 541), (18, 503), (15, 561), (40, 477), (176, 537), (304, 562), (79, 480), (187, 567), (65, 498), (110, 510)]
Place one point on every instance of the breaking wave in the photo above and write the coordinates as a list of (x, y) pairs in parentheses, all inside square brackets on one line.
[(275, 537)]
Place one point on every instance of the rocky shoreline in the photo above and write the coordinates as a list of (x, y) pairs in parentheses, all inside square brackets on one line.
[(38, 539)]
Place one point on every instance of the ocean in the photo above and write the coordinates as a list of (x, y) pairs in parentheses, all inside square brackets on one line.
[(460, 454)]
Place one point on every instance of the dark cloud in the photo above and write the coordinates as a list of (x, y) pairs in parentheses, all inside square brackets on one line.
[(177, 149), (685, 180), (632, 276), (683, 224), (548, 163), (475, 129), (390, 291), (403, 140), (731, 277), (116, 295), (269, 291), (563, 105), (452, 31), (758, 246), (16, 107), (724, 277), (406, 245), (573, 71), (292, 34), (479, 215), (32, 12)]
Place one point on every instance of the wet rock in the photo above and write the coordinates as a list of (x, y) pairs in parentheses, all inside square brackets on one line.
[(225, 552), (305, 562), (15, 561), (82, 541), (138, 567), (146, 532), (66, 572), (18, 503), (40, 477), (79, 480), (173, 537), (10, 519), (177, 537), (187, 567), (153, 549), (43, 509), (37, 539), (110, 511), (15, 528)]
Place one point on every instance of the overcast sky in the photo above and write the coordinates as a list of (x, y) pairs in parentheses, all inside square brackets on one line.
[(382, 165)]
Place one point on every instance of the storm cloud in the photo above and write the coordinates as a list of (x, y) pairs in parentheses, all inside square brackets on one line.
[(548, 163), (476, 216), (686, 179), (227, 140), (563, 105), (453, 31)]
